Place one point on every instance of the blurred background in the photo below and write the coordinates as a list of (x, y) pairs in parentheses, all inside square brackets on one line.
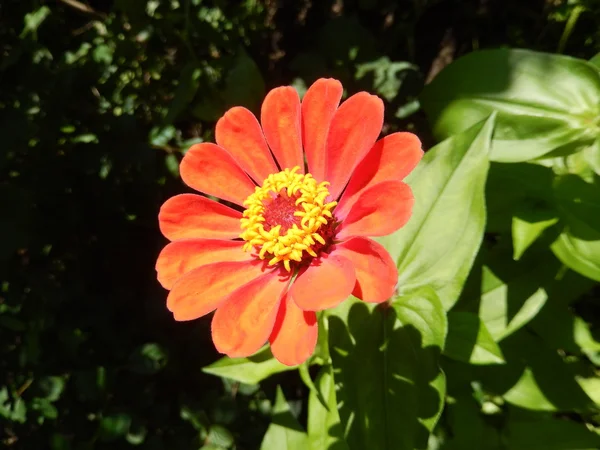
[(98, 102)]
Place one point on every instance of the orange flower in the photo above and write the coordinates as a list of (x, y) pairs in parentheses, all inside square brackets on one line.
[(300, 244)]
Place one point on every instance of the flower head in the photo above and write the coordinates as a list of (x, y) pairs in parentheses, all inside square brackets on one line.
[(307, 186)]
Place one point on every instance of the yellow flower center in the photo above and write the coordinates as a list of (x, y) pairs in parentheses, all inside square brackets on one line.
[(287, 218)]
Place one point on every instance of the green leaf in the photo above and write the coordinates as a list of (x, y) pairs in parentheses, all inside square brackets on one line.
[(187, 86), (469, 429), (114, 426), (398, 346), (580, 255), (148, 359), (595, 60), (550, 434), (160, 136), (577, 199), (244, 84), (545, 103), (547, 382), (387, 76), (592, 156), (285, 432), (438, 245), (585, 340), (251, 370), (578, 246), (324, 424), (512, 293), (219, 436), (521, 190), (33, 20), (470, 341), (528, 226)]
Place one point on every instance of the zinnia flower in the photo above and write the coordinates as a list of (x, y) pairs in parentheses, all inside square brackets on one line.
[(303, 190)]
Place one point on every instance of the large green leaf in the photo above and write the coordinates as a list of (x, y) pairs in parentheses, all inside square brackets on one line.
[(284, 433), (251, 370), (439, 244), (390, 388), (592, 156), (470, 341), (324, 426), (545, 103), (579, 245)]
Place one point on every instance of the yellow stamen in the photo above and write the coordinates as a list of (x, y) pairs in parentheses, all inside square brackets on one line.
[(311, 212)]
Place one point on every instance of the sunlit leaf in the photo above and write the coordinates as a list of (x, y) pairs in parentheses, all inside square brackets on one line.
[(324, 425), (439, 244), (470, 341), (545, 103), (285, 432), (251, 370)]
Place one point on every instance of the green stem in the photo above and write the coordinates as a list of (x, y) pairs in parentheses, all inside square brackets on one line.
[(570, 25)]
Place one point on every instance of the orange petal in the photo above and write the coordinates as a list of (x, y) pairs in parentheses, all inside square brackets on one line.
[(193, 216), (380, 210), (318, 107), (354, 129), (376, 273), (239, 132), (201, 290), (391, 158), (326, 282), (210, 169), (294, 335), (242, 325), (179, 257), (280, 118)]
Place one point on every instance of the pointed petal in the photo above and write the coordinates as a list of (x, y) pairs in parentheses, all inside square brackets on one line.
[(242, 325), (391, 158), (354, 129), (294, 335), (193, 216), (239, 132), (179, 257), (379, 210), (318, 107), (280, 118), (208, 168), (328, 281), (376, 273), (203, 289)]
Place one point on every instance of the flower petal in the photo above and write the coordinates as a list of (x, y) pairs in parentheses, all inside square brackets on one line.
[(179, 257), (326, 282), (193, 216), (203, 289), (294, 335), (239, 132), (354, 129), (280, 118), (242, 325), (210, 169), (391, 158), (318, 107), (380, 210), (376, 273)]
